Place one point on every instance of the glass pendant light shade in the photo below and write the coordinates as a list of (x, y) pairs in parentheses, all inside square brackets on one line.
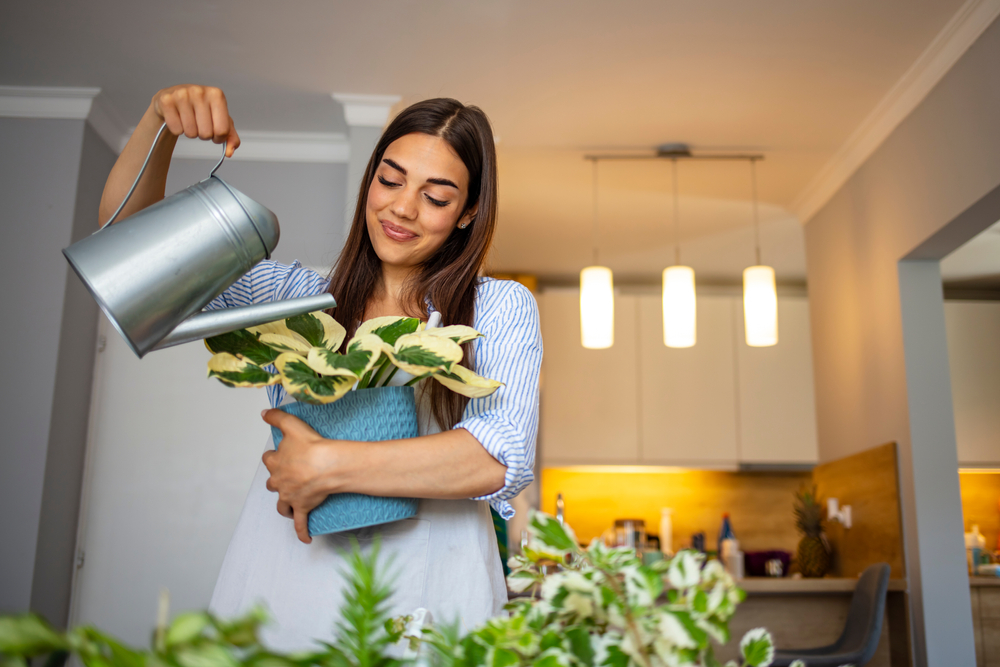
[(597, 308), (678, 306), (760, 306)]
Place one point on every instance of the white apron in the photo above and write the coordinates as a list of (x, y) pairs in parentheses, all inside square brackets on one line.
[(445, 560)]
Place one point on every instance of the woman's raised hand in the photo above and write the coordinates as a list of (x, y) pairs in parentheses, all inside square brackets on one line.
[(194, 111), (197, 111)]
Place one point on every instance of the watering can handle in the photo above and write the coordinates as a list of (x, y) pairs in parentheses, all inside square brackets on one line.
[(142, 170)]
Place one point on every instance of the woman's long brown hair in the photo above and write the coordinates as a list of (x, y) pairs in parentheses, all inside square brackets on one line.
[(448, 278)]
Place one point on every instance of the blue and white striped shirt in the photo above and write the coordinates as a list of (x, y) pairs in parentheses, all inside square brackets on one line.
[(506, 422)]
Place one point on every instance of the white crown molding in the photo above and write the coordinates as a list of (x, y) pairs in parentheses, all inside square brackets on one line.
[(366, 110), (328, 147), (41, 102), (948, 46), (108, 123)]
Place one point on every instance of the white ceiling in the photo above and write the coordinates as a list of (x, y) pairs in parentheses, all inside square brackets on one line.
[(789, 78)]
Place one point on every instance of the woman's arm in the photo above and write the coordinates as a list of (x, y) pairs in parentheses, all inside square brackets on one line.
[(307, 467), (489, 455), (194, 111)]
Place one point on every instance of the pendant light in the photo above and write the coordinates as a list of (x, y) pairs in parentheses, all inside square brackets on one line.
[(597, 299), (679, 309), (760, 298)]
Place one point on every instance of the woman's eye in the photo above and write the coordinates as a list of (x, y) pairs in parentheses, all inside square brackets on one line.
[(388, 184), (436, 202)]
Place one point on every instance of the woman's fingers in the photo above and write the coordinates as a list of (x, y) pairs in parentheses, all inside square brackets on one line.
[(197, 111), (302, 526), (284, 509), (233, 140)]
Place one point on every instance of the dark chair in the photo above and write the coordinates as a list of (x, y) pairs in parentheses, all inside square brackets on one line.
[(858, 641)]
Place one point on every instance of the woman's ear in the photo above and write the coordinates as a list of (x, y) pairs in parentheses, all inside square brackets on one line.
[(468, 218)]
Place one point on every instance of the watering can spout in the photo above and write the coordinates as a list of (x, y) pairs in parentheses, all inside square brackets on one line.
[(214, 322), (153, 272)]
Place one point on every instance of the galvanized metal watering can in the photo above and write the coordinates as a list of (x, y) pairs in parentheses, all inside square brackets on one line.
[(154, 271)]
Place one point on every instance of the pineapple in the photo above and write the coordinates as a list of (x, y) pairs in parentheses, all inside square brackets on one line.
[(813, 555)]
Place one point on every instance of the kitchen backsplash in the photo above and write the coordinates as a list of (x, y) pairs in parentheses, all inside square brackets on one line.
[(981, 504), (759, 504)]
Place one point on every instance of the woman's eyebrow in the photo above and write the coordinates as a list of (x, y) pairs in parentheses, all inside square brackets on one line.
[(435, 181), (442, 181)]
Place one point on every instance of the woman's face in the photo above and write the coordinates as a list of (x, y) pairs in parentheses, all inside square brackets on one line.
[(415, 200)]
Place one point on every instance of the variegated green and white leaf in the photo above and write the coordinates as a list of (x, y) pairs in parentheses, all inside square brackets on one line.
[(243, 344), (318, 329), (419, 354), (463, 381), (457, 332), (295, 344), (303, 384), (278, 336), (390, 328), (362, 354), (236, 372)]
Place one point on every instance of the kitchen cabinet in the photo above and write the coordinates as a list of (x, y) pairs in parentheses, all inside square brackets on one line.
[(973, 329), (589, 397), (718, 404), (687, 411), (777, 406)]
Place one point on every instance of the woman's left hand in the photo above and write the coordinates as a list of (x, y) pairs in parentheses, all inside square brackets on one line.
[(300, 468)]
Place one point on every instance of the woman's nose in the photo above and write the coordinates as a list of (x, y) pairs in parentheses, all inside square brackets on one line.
[(405, 203)]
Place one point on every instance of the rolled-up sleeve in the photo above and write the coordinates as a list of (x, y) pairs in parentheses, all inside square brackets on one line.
[(506, 422), (270, 281)]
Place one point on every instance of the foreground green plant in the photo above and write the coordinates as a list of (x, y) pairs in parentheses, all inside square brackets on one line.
[(304, 351), (199, 639), (603, 609)]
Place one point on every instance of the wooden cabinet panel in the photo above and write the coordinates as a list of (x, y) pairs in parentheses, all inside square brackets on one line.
[(687, 396), (973, 329), (777, 406), (589, 397)]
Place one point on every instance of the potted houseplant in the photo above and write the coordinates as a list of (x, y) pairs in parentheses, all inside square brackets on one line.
[(346, 395)]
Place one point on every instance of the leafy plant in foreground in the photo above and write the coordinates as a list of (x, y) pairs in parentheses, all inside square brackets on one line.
[(603, 609)]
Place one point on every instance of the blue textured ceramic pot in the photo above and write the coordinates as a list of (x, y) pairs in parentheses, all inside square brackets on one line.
[(367, 415)]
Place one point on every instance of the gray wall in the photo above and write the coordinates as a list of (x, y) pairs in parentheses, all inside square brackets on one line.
[(307, 198), (46, 195), (942, 160), (52, 173), (54, 555)]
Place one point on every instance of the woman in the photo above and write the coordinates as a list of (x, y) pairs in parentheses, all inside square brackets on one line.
[(421, 231)]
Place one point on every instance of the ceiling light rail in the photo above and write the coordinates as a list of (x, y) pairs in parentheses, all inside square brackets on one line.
[(675, 151)]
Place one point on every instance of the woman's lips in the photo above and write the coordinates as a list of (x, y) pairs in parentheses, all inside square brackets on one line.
[(396, 233)]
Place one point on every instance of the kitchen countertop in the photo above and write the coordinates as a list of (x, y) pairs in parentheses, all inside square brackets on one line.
[(984, 581), (789, 586)]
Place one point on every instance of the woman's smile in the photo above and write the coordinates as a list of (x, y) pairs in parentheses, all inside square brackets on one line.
[(396, 232)]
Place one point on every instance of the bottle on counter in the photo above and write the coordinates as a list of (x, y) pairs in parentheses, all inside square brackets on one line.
[(729, 550), (667, 531), (975, 544)]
